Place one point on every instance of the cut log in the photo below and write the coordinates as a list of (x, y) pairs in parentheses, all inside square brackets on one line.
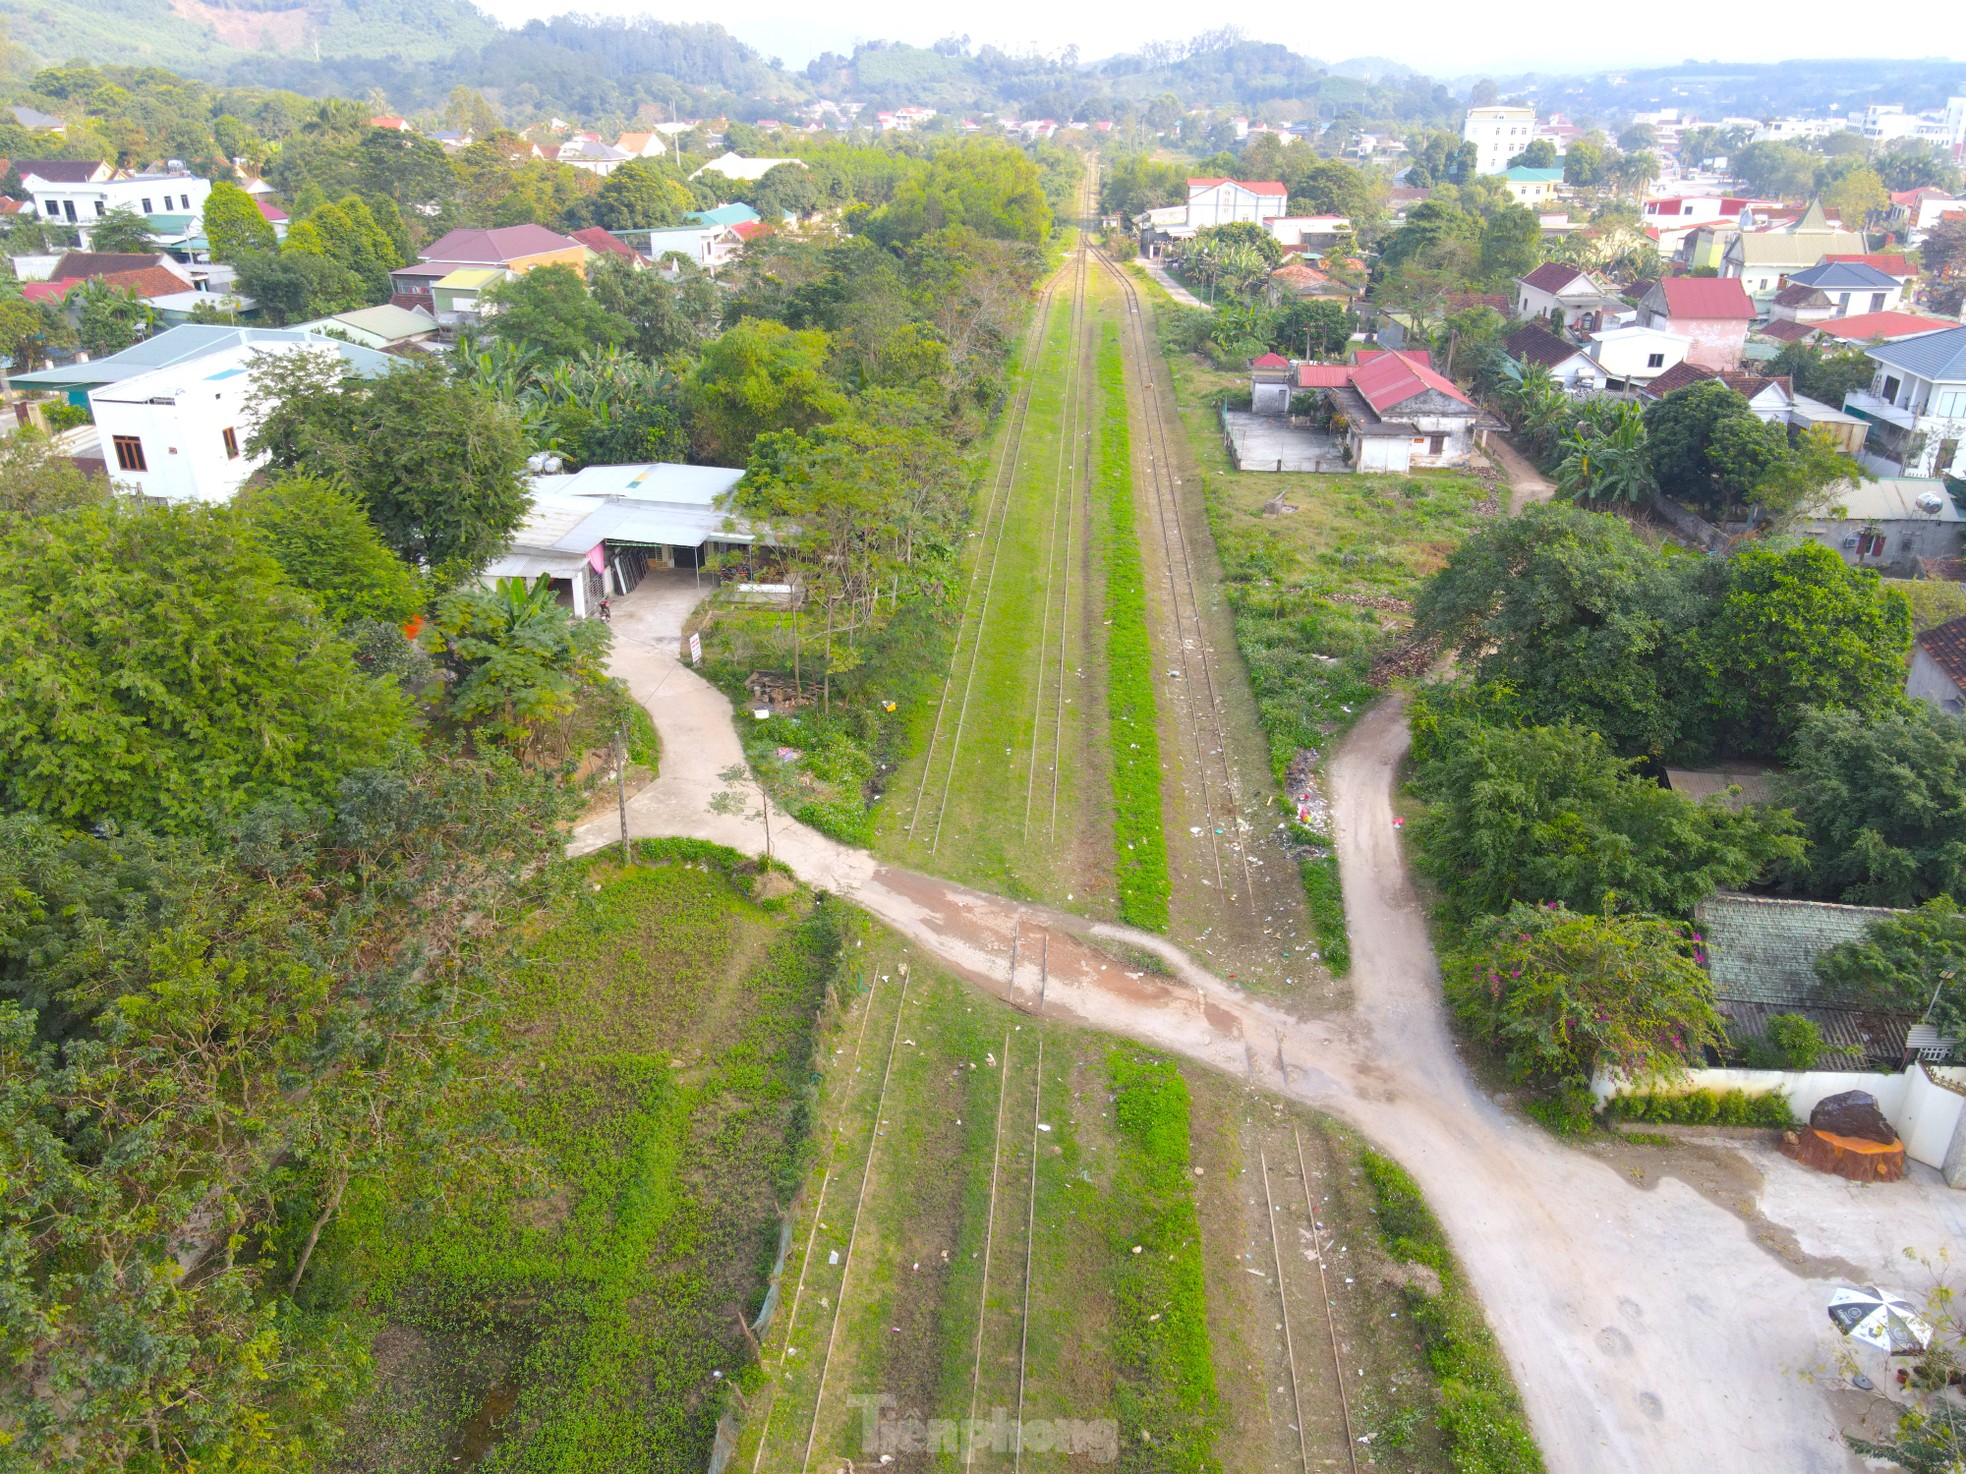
[(1849, 1157)]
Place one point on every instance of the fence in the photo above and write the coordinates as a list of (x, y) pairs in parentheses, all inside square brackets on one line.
[(1926, 1103)]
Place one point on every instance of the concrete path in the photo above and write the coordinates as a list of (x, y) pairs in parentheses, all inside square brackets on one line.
[(1650, 1329), (1174, 289)]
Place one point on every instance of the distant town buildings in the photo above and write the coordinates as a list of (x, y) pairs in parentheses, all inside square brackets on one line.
[(1499, 133)]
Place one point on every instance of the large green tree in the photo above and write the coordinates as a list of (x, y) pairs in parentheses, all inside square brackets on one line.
[(986, 186), (326, 545), (447, 502), (639, 195), (759, 376), (161, 669), (1883, 801), (1913, 962), (1551, 814), (549, 311), (234, 225)]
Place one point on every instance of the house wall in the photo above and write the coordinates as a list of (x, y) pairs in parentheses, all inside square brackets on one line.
[(576, 257), (1923, 1103), (1385, 453), (1401, 453), (84, 204), (1269, 399), (1904, 541), (1498, 133), (183, 442), (1717, 342), (1927, 682), (1225, 204), (1631, 358)]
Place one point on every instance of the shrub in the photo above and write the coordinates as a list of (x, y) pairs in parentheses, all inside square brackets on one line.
[(1703, 1108)]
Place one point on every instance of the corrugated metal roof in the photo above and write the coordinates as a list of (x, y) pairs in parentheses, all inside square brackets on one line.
[(1889, 499)]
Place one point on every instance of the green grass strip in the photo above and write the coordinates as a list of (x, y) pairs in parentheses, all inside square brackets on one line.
[(1479, 1410), (1138, 842), (1164, 1387)]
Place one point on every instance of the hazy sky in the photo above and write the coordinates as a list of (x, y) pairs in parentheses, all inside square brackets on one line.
[(1432, 35)]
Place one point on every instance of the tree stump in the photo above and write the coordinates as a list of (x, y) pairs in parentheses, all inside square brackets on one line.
[(1848, 1157)]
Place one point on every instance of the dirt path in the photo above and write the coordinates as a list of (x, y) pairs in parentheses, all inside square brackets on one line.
[(1650, 1327), (1172, 287), (1526, 483)]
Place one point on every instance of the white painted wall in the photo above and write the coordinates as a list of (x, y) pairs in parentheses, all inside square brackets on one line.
[(1923, 1103)]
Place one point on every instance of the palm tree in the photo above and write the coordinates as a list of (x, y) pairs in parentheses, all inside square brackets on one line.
[(1606, 458)]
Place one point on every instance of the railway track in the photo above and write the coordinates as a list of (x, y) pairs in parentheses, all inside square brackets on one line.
[(1200, 698)]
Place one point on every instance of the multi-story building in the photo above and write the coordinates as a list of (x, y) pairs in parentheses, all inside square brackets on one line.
[(1916, 406), (81, 192), (1499, 132)]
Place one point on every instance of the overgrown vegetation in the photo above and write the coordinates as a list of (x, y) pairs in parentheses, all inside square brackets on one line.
[(1703, 1108), (1133, 732), (1166, 1395), (1478, 1408)]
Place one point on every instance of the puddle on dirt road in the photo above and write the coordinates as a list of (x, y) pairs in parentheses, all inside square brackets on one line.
[(490, 1423)]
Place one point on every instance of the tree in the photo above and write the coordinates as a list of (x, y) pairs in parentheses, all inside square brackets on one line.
[(1136, 182), (986, 186), (1564, 995), (1612, 463), (549, 311), (447, 503), (325, 544), (1797, 628), (1577, 617), (1773, 170), (1913, 962), (653, 319), (1638, 136), (1912, 163), (296, 286), (1586, 163), (519, 658), (786, 189), (641, 194), (1550, 814), (1540, 154), (467, 112), (1511, 244), (1824, 376), (759, 376), (1707, 445), (1882, 800), (234, 225), (162, 670), (36, 480), (1318, 326), (406, 169), (111, 318), (122, 229), (31, 331), (1942, 257), (1856, 197)]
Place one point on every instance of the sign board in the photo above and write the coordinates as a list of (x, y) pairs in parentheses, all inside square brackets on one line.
[(696, 649)]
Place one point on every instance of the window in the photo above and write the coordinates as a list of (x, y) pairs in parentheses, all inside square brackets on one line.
[(100, 211), (1655, 360), (231, 443), (1891, 387), (129, 453), (1870, 545), (68, 210), (184, 201), (1877, 301), (146, 207), (1436, 444), (53, 208)]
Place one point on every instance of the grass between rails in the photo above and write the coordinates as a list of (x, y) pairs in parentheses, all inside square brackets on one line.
[(1316, 594), (1478, 1408), (1133, 733), (585, 1314)]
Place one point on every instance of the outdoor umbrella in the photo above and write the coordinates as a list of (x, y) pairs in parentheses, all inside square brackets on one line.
[(1879, 1318)]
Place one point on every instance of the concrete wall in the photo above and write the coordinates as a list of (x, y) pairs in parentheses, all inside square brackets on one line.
[(183, 443), (1717, 342), (1927, 682), (1924, 1103)]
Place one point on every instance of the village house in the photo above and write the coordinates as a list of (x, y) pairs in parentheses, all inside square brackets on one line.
[(457, 267), (1396, 413), (740, 170), (387, 329), (1761, 957), (596, 532), (1224, 201), (1633, 356), (1799, 304), (82, 192), (1938, 667), (1916, 406), (1568, 296), (589, 155), (171, 412), (1532, 187), (1887, 524), (1879, 327), (1572, 367), (1916, 211), (1714, 312), (1851, 287), (1309, 232), (1764, 260)]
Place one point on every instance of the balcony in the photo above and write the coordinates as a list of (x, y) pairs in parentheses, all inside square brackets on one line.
[(1878, 411)]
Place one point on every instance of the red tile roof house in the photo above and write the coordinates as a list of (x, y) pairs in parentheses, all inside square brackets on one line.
[(515, 249), (1938, 667), (597, 240), (1713, 311), (1397, 414)]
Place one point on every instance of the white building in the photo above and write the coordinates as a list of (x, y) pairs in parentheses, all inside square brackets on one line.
[(1916, 406), (82, 193), (1498, 133), (179, 433), (1636, 355), (1225, 201), (1888, 123), (743, 170)]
